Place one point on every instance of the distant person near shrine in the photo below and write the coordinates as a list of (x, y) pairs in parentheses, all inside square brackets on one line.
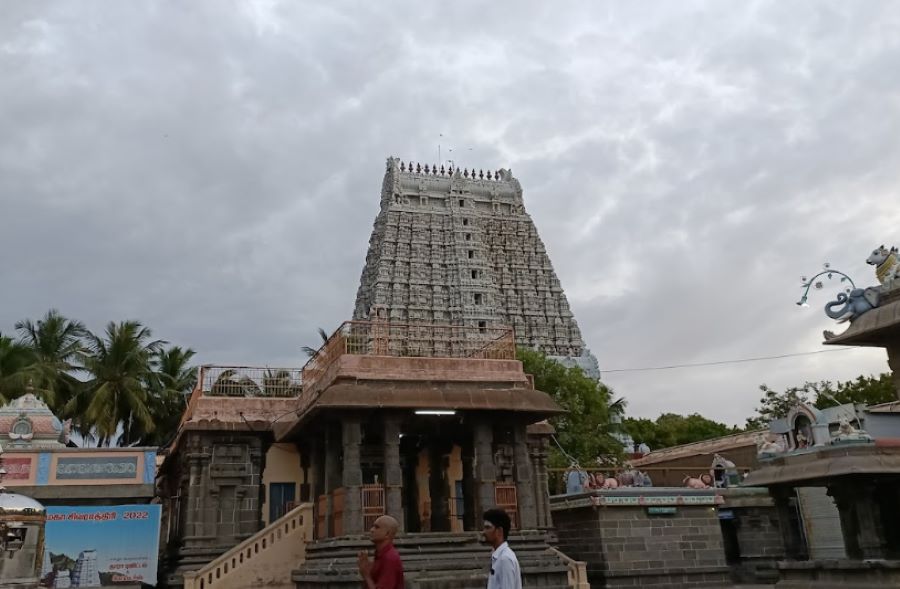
[(576, 478), (386, 572), (505, 573)]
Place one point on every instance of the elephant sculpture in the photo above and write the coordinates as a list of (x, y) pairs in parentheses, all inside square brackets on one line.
[(852, 305)]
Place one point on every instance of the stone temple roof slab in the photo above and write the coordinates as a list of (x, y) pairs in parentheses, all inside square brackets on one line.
[(875, 328), (819, 467)]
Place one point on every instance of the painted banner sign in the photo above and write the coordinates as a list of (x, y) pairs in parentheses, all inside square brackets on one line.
[(101, 546)]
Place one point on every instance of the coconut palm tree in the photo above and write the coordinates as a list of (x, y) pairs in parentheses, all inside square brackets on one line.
[(173, 379), (15, 358), (311, 351), (56, 343), (277, 383), (115, 397), (230, 383)]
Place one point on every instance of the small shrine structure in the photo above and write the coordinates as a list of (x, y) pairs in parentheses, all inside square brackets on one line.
[(851, 452), (431, 424)]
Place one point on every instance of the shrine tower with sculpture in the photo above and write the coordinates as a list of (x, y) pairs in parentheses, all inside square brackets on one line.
[(457, 247)]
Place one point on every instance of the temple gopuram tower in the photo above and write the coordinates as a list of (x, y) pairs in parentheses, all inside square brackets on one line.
[(456, 247)]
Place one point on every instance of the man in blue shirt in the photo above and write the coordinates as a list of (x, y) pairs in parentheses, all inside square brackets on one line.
[(505, 573)]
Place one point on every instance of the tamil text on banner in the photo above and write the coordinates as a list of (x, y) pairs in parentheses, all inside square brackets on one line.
[(101, 546)]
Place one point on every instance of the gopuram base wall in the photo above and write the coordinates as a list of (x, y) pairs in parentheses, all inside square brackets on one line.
[(660, 537)]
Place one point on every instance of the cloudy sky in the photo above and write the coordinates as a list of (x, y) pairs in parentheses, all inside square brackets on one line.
[(213, 168)]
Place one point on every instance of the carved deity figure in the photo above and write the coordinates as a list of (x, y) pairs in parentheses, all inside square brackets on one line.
[(847, 433), (766, 445)]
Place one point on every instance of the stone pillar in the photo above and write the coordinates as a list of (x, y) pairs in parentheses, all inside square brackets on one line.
[(846, 506), (471, 519), (438, 488), (332, 479), (871, 530), (893, 352), (411, 488), (524, 478), (539, 448), (485, 471), (793, 543), (352, 475), (393, 474)]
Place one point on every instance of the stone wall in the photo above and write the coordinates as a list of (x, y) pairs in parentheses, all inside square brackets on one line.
[(212, 491), (629, 546)]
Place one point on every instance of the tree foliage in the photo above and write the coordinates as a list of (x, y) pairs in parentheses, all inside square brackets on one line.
[(585, 431), (670, 429), (867, 390), (120, 387)]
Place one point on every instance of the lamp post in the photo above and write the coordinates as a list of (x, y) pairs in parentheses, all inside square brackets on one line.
[(828, 272)]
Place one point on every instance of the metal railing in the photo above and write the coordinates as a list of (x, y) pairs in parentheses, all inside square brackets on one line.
[(250, 381), (411, 340)]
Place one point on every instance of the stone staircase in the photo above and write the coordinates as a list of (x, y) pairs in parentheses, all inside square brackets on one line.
[(265, 559), (439, 561)]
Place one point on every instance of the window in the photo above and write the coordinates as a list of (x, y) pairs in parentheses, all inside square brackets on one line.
[(462, 203), (468, 237), (474, 273), (482, 326), (478, 298), (471, 254), (465, 221), (280, 494)]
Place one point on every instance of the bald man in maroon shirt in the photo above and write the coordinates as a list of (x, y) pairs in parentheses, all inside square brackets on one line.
[(387, 570)]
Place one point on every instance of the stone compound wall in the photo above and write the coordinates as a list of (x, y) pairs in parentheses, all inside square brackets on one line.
[(749, 516), (625, 546), (462, 250)]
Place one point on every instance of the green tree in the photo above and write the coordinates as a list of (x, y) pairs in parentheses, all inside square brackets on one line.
[(120, 367), (867, 390), (311, 351), (671, 429), (584, 431), (776, 404), (230, 383), (15, 357), (56, 343), (167, 389)]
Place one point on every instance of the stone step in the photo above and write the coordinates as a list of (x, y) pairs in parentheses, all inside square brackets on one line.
[(433, 561)]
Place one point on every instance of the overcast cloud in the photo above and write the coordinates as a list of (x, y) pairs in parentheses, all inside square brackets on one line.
[(213, 168)]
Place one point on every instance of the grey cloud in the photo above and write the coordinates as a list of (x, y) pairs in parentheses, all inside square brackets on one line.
[(214, 168)]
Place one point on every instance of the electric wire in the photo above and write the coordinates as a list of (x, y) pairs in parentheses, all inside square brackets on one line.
[(722, 362)]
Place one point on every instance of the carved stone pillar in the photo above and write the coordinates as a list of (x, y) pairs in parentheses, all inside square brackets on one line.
[(524, 478), (438, 487), (790, 534), (393, 473), (332, 479), (471, 519), (352, 475), (538, 447), (485, 471)]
